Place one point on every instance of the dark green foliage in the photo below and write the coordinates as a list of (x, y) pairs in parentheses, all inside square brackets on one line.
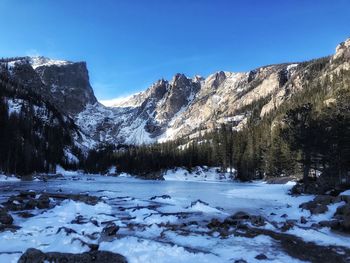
[(214, 149), (29, 143)]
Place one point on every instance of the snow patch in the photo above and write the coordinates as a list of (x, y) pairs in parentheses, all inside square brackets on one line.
[(197, 174), (5, 178), (43, 61)]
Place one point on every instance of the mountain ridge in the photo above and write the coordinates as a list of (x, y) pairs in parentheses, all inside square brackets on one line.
[(168, 109)]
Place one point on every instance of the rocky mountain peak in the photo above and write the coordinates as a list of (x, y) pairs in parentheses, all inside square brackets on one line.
[(158, 89), (65, 84), (69, 84), (215, 80), (180, 80), (39, 61), (343, 50)]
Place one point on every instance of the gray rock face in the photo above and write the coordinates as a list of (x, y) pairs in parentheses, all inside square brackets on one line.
[(65, 84), (68, 85)]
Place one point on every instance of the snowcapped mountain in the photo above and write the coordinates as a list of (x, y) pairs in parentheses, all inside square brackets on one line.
[(63, 83), (169, 109), (183, 106)]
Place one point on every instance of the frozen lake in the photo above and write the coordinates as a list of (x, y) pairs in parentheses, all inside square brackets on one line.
[(160, 221)]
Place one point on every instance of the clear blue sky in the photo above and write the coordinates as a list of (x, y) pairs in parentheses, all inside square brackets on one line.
[(129, 44)]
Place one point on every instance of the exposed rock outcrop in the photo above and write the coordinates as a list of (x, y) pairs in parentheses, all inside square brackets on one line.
[(33, 255)]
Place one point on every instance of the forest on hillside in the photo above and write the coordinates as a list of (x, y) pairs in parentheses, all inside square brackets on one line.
[(33, 137), (308, 136)]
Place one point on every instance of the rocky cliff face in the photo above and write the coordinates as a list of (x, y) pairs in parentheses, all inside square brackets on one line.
[(184, 106), (171, 109), (65, 84)]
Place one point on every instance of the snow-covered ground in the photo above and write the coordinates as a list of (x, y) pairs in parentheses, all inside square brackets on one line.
[(160, 221), (5, 178), (197, 174)]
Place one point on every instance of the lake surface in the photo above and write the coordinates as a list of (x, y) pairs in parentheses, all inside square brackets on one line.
[(160, 221)]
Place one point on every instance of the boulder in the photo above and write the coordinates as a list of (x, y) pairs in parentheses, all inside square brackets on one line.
[(314, 207), (5, 217), (33, 255), (261, 257), (110, 230), (325, 199), (43, 202), (343, 210), (303, 220), (240, 215), (287, 225)]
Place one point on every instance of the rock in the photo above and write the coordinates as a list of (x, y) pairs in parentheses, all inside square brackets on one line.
[(303, 220), (85, 198), (240, 261), (79, 220), (326, 223), (27, 194), (110, 230), (5, 217), (160, 196), (198, 202), (214, 223), (31, 204), (287, 225), (325, 199), (43, 202), (342, 224), (14, 203), (67, 230), (319, 209), (257, 221), (240, 215), (33, 255), (261, 257), (343, 210), (284, 216), (94, 221), (345, 198), (314, 207), (25, 214)]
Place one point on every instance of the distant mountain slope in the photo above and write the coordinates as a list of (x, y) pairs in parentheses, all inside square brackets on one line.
[(171, 109)]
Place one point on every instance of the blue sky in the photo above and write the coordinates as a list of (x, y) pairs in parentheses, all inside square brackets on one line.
[(129, 44)]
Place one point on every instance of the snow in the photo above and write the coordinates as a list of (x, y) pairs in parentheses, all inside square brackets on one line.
[(128, 101), (112, 170), (154, 219), (71, 158), (5, 178), (347, 192), (43, 231), (40, 61), (291, 66), (61, 170), (197, 174), (14, 106)]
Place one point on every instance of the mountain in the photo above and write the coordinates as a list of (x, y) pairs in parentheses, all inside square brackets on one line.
[(169, 109), (65, 84)]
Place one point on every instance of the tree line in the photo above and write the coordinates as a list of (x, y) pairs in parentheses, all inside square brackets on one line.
[(30, 143), (308, 136)]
